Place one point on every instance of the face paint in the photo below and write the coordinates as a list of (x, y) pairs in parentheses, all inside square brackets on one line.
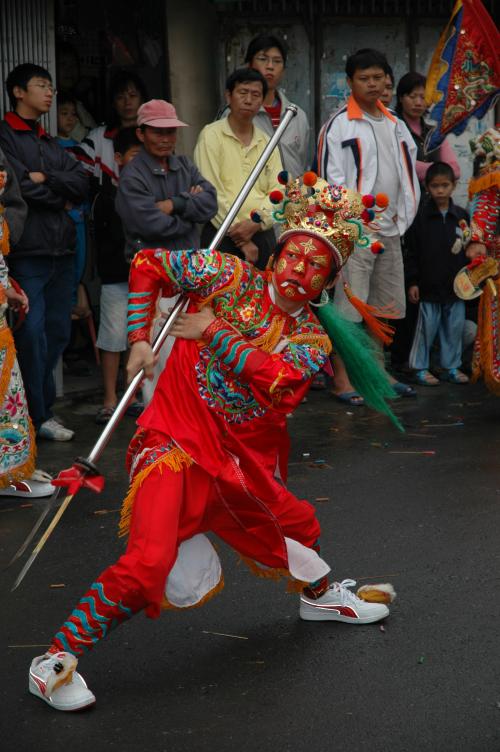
[(302, 269)]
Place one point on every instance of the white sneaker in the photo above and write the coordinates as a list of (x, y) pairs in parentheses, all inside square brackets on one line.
[(54, 431), (36, 487), (53, 678), (341, 604)]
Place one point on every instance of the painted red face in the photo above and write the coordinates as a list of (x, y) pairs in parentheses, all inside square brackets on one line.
[(303, 268)]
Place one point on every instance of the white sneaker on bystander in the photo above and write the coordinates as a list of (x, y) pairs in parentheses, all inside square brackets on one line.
[(54, 431)]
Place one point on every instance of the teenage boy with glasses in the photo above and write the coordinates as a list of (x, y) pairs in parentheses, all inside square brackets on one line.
[(267, 55)]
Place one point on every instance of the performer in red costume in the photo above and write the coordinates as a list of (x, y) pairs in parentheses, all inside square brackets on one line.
[(484, 192), (211, 450)]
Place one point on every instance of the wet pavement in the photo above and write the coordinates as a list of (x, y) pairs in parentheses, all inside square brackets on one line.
[(420, 509)]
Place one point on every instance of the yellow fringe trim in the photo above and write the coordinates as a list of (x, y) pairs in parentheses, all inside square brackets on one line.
[(6, 343), (483, 182), (270, 338), (293, 585), (321, 341), (175, 460), (165, 604), (5, 242)]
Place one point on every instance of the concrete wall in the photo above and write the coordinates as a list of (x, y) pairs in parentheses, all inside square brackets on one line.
[(192, 38)]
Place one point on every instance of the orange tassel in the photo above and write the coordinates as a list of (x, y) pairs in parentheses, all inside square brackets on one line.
[(5, 235), (372, 315), (483, 182)]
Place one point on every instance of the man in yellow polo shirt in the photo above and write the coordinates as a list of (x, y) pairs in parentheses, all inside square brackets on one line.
[(225, 154)]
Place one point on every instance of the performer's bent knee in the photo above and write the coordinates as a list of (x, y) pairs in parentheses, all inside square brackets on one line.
[(140, 581)]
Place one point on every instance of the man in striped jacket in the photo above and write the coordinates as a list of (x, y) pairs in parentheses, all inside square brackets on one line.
[(368, 149)]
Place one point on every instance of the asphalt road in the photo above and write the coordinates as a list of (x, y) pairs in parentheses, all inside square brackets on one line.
[(244, 673)]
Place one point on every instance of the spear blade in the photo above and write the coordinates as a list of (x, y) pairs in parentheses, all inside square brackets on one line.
[(49, 505), (41, 543)]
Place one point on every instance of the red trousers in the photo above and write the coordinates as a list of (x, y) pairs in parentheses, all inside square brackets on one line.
[(171, 507)]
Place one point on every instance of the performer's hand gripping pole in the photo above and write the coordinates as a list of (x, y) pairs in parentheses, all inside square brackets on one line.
[(84, 472)]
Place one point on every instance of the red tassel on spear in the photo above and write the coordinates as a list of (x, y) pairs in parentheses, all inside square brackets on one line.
[(83, 473)]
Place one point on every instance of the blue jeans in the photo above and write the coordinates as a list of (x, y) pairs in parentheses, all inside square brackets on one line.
[(40, 341), (446, 320)]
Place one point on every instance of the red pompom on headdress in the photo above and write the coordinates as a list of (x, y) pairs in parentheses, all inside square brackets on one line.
[(310, 178), (377, 247), (276, 197), (382, 200)]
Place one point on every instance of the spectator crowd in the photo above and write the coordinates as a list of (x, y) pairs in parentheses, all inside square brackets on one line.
[(90, 198)]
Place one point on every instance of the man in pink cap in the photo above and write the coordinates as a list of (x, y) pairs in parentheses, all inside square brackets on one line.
[(161, 196)]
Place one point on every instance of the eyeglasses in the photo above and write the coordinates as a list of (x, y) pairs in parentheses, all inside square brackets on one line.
[(267, 59), (46, 87)]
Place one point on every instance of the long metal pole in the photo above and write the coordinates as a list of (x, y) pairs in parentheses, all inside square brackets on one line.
[(290, 113), (103, 439), (88, 463)]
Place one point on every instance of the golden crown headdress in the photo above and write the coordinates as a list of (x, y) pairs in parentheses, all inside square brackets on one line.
[(333, 213)]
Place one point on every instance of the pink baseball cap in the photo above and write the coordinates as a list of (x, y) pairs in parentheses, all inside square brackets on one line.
[(159, 114)]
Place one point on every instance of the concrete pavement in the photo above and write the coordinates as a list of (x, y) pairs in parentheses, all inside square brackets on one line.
[(244, 673)]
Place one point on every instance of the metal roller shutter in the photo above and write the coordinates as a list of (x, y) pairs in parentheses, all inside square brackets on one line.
[(27, 36)]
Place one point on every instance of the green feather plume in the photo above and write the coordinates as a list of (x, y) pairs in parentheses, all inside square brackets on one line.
[(358, 351)]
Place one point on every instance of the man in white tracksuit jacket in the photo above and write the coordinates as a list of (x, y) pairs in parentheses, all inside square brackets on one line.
[(370, 150)]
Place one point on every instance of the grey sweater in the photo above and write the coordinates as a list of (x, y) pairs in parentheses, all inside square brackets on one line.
[(144, 182)]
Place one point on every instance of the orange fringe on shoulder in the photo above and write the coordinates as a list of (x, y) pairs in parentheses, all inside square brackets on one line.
[(483, 182), (372, 315), (175, 460), (165, 604), (5, 241), (6, 343), (293, 585)]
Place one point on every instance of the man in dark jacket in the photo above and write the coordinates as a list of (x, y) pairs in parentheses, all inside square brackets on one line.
[(14, 205), (42, 259), (161, 197)]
